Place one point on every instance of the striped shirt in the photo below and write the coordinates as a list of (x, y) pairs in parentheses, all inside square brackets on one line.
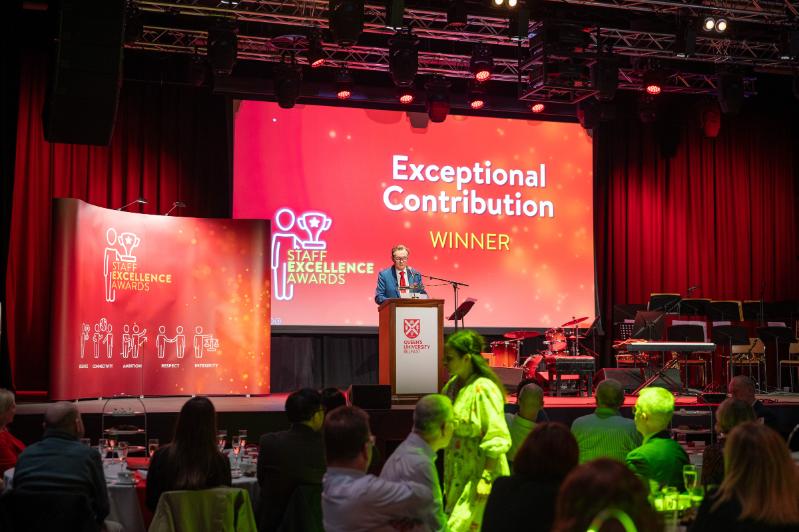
[(605, 434)]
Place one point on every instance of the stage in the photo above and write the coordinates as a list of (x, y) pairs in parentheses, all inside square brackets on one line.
[(262, 414)]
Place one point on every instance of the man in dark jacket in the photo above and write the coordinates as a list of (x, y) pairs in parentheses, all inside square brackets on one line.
[(291, 465)]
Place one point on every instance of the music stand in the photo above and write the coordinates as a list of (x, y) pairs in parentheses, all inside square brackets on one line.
[(694, 307), (462, 310), (779, 336), (649, 325), (725, 311), (664, 302), (754, 311)]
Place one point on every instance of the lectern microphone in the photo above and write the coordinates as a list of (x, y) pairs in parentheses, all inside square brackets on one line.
[(140, 201), (175, 206)]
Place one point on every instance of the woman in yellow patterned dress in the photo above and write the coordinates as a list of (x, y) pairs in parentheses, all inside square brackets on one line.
[(476, 454)]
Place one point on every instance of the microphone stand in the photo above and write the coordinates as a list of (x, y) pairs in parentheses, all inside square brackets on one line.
[(455, 286)]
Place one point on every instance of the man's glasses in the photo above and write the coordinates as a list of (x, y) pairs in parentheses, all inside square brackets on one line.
[(401, 259)]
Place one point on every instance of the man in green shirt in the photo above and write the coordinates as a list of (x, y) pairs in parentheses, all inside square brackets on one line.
[(660, 458), (530, 401), (605, 434)]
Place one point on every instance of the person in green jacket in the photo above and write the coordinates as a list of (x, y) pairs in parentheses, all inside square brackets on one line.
[(659, 458)]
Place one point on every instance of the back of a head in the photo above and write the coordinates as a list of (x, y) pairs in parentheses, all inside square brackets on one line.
[(657, 403), (346, 431), (430, 412), (741, 387), (196, 424), (598, 485), (6, 400), (610, 394), (466, 341), (548, 453), (62, 416), (530, 398), (732, 412), (760, 473), (302, 405), (333, 398)]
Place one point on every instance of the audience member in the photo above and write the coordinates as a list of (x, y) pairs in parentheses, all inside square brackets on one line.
[(605, 433), (414, 459), (353, 501), (599, 485), (541, 464), (530, 401), (333, 398), (476, 455), (193, 460), (10, 447), (293, 458), (760, 491), (730, 413), (59, 462), (742, 388), (659, 458)]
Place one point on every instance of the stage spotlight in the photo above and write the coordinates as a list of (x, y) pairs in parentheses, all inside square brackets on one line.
[(652, 82), (345, 20), (500, 3), (482, 62), (437, 98), (721, 25), (709, 24), (316, 54), (403, 58), (395, 11), (288, 77), (406, 95), (537, 107), (605, 78), (222, 47), (457, 15), (477, 96), (344, 84)]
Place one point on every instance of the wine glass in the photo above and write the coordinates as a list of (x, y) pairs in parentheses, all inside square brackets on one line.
[(123, 451), (243, 438), (152, 446), (690, 477), (102, 447), (221, 439)]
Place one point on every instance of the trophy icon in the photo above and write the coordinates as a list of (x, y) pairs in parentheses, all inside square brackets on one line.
[(314, 223), (129, 242)]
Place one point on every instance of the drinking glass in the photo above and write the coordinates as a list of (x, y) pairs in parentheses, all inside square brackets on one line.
[(221, 439), (243, 438), (102, 447), (152, 446), (690, 477), (123, 451)]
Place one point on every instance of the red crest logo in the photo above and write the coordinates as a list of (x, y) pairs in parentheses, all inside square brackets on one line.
[(412, 328)]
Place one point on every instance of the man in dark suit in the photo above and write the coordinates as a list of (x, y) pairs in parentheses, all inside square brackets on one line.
[(398, 278), (742, 388), (291, 465)]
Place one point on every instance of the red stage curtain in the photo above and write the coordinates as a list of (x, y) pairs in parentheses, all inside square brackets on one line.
[(719, 213), (170, 143)]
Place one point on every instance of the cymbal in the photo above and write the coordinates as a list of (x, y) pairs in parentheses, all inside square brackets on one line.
[(574, 322), (520, 335), (572, 337)]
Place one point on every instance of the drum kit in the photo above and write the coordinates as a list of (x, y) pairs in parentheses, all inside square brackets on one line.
[(558, 341)]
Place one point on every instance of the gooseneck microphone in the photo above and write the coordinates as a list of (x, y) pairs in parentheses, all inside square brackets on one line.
[(140, 201), (177, 204)]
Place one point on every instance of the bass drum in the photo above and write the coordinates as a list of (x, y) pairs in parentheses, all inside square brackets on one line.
[(505, 353)]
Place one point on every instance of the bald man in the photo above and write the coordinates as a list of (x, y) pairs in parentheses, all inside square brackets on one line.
[(415, 458), (605, 433), (59, 462), (530, 401)]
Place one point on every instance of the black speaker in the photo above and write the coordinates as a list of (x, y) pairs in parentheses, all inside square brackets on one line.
[(85, 73), (510, 377), (630, 378), (370, 396)]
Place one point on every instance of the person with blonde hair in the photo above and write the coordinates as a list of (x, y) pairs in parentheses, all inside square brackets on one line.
[(475, 456), (10, 447), (730, 413), (759, 491)]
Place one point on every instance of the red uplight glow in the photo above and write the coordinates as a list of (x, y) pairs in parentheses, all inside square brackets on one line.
[(477, 104), (344, 94), (482, 75), (653, 89), (406, 98), (318, 63), (537, 108)]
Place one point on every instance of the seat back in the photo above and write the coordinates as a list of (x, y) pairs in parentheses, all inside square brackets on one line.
[(45, 511), (211, 510)]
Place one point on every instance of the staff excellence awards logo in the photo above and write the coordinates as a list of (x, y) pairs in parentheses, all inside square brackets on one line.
[(121, 266)]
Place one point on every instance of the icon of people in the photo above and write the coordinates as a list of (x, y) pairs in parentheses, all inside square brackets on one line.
[(138, 339), (204, 342), (85, 329), (282, 242), (108, 340), (111, 255), (127, 342), (160, 341), (96, 337), (180, 342)]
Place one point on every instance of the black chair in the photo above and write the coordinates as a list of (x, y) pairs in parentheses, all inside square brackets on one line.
[(46, 511)]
